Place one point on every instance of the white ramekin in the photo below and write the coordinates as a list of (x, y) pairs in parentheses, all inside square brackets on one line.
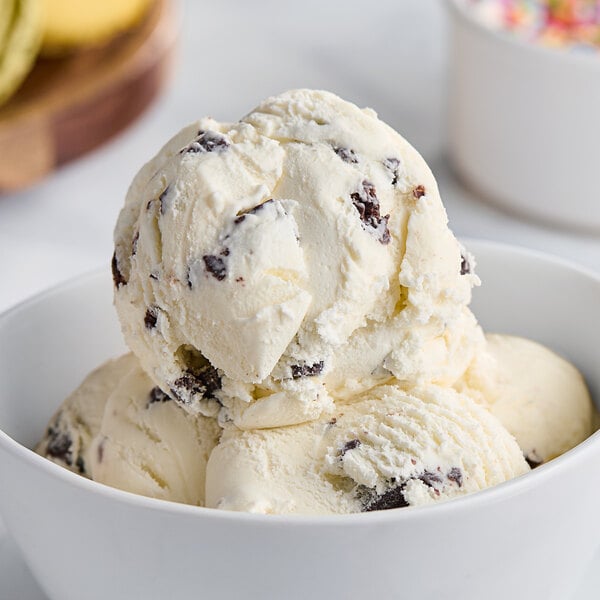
[(524, 123), (530, 538)]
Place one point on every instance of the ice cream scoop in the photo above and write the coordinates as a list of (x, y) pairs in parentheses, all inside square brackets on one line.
[(387, 449), (541, 398), (264, 269), (69, 434), (119, 429)]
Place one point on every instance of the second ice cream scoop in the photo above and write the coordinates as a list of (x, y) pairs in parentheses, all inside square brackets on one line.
[(119, 429), (541, 398), (387, 449)]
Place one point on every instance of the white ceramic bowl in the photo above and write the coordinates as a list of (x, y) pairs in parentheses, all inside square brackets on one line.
[(528, 538), (523, 123)]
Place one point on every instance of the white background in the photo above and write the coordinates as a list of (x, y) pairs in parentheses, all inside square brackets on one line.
[(390, 55)]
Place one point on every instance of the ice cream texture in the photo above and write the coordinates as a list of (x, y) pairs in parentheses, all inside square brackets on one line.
[(537, 395), (387, 449), (69, 434), (119, 429), (269, 267), (298, 314)]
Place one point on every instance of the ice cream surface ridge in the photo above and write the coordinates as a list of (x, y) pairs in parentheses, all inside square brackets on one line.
[(297, 311), (316, 251)]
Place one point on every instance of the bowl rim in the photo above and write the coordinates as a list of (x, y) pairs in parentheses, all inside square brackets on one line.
[(445, 509), (591, 59)]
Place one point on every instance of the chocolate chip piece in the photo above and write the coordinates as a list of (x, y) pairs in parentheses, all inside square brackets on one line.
[(157, 395), (455, 475), (333, 421), (153, 276), (163, 200), (350, 445), (80, 464), (118, 278), (313, 370), (59, 445), (430, 479), (533, 461), (346, 154), (207, 141), (215, 265), (100, 450), (392, 164), (367, 204), (199, 376), (465, 266), (392, 498), (419, 192), (203, 383), (252, 211), (259, 207), (151, 317), (134, 243)]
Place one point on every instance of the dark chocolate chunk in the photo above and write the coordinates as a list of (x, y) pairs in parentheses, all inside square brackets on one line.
[(350, 445), (100, 450), (203, 382), (419, 192), (134, 243), (59, 445), (118, 278), (313, 370), (259, 207), (157, 395), (80, 464), (430, 479), (465, 266), (224, 252), (207, 141), (163, 200), (367, 204), (215, 265), (346, 154), (151, 317), (153, 276), (392, 164), (252, 211), (533, 461), (455, 474), (392, 498), (199, 377), (333, 421)]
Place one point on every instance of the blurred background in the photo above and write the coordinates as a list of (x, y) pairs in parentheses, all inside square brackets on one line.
[(390, 55)]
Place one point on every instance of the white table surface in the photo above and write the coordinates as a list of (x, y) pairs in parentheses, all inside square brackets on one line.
[(388, 54)]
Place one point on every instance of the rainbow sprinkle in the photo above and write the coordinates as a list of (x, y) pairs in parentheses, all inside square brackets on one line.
[(555, 23)]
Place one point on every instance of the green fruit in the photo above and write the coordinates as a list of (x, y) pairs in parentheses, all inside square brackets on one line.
[(20, 43)]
